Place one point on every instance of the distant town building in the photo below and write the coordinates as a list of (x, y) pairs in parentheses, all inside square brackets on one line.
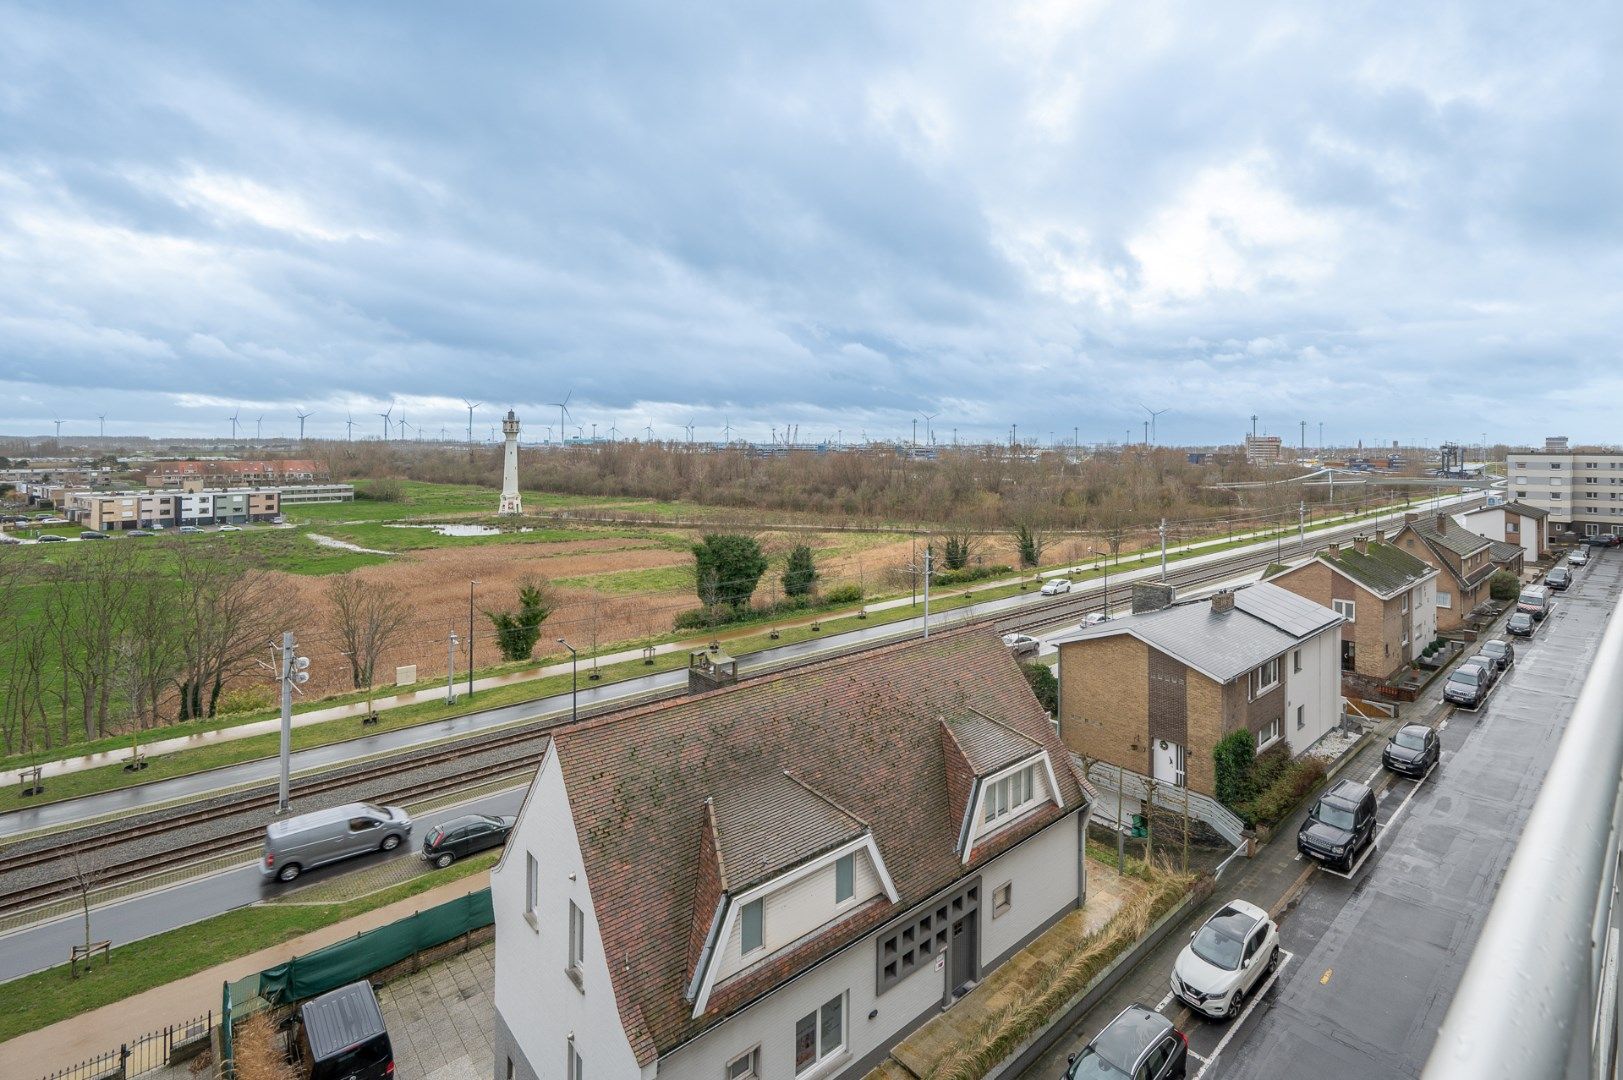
[(1581, 491), (1261, 449), (227, 473), (1555, 444), (298, 494), (118, 511)]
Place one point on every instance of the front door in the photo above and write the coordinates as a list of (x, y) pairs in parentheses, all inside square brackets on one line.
[(1169, 763), (964, 951), (1349, 655)]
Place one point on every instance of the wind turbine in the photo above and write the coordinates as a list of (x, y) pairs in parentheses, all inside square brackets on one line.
[(258, 426), (929, 432), (386, 416), (614, 432), (1153, 414), (232, 418), (102, 417), (727, 429), (650, 429), (472, 405), (563, 415), (303, 416), (690, 431), (349, 426), (549, 434), (58, 424)]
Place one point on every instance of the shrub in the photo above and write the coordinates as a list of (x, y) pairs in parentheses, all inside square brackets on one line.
[(1232, 758), (245, 699), (1282, 796), (1029, 543), (387, 490), (849, 593), (1040, 677), (726, 568), (801, 572), (1269, 766), (1504, 585), (970, 573), (693, 619)]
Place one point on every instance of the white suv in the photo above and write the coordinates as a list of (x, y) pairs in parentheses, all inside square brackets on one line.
[(1227, 960)]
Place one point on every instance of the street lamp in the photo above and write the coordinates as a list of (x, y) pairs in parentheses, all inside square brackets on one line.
[(471, 584), (574, 680), (1106, 564), (450, 670)]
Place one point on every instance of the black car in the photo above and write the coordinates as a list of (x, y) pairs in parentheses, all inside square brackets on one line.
[(1468, 684), (1520, 624), (92, 534), (1558, 579), (1139, 1044), (1340, 826), (53, 538), (462, 836), (1489, 665), (1502, 651), (1412, 750)]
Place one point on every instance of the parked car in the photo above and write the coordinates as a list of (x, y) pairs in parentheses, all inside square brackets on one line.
[(138, 532), (1412, 750), (1558, 578), (1227, 960), (1021, 644), (341, 1036), (1578, 557), (1502, 651), (230, 528), (1055, 586), (1340, 825), (1520, 624), (92, 534), (339, 832), (1094, 619), (52, 521), (1489, 665), (1535, 601), (278, 520), (462, 836), (4, 539), (1600, 541), (190, 529), (1467, 685), (1139, 1043), (52, 538)]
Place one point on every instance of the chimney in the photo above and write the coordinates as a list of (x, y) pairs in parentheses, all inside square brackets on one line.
[(1151, 596), (1361, 544), (1222, 602), (1335, 549), (1442, 521)]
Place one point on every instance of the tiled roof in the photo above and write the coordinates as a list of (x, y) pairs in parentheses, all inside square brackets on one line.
[(1501, 552), (988, 745), (1451, 536), (1382, 568), (864, 731), (769, 822), (1266, 621), (1514, 506)]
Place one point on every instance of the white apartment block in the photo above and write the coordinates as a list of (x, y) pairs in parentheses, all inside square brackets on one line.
[(1581, 491)]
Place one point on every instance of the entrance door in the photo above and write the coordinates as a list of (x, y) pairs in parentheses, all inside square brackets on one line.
[(1169, 763), (964, 950), (1349, 655)]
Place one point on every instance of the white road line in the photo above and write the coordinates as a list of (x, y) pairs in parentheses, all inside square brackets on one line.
[(1443, 726), (1234, 1026), (1198, 1057), (1374, 775), (1404, 805), (1164, 1002)]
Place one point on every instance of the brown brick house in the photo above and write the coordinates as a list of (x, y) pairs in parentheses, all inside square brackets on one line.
[(1387, 596), (1464, 559), (1154, 691)]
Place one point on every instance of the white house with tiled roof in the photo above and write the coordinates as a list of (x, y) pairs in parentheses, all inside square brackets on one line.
[(1512, 523), (783, 877)]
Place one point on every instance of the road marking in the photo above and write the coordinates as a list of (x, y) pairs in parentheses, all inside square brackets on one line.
[(1404, 805), (1234, 1026), (1324, 980), (1277, 914), (1374, 775), (1443, 726), (1198, 1057), (1162, 1004)]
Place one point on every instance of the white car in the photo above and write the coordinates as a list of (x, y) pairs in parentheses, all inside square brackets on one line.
[(230, 528), (1578, 557), (1094, 619), (1020, 644), (1055, 586), (1227, 960)]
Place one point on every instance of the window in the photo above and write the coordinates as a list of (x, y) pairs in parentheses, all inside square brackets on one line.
[(845, 878), (1301, 717), (577, 937), (532, 885), (1296, 661), (1510, 526), (746, 1066), (1521, 479), (752, 926), (1445, 600), (1403, 608), (1010, 794), (1265, 678), (572, 1064), (1347, 609), (1268, 735), (1002, 896), (915, 944), (819, 1035)]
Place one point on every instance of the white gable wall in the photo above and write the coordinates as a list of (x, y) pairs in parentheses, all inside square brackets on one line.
[(536, 1001), (1317, 687), (795, 910)]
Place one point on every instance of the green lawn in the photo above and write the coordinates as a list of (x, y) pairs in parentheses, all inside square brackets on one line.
[(423, 500), (405, 538), (46, 997), (623, 582)]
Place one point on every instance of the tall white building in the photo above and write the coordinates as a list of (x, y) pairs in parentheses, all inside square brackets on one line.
[(1582, 491), (510, 500)]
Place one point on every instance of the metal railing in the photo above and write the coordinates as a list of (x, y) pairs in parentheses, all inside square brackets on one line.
[(155, 1050), (1131, 785), (1539, 996)]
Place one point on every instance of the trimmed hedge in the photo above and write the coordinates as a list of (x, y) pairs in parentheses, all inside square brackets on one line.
[(1286, 792), (849, 593), (1232, 758)]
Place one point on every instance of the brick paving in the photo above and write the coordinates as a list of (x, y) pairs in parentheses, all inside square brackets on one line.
[(441, 1019)]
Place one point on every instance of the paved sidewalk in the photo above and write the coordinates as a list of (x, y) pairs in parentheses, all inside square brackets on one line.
[(82, 1037), (442, 1020)]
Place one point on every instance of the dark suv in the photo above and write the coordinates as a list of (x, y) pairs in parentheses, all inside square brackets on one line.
[(1340, 826), (1558, 579), (1139, 1044), (1412, 750)]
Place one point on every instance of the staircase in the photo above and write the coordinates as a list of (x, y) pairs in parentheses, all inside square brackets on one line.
[(1119, 784)]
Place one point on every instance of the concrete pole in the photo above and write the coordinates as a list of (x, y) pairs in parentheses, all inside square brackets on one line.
[(927, 590), (450, 669), (286, 752), (1301, 523), (1163, 549)]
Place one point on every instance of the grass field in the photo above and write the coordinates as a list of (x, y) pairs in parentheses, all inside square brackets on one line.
[(422, 501), (624, 582), (46, 997)]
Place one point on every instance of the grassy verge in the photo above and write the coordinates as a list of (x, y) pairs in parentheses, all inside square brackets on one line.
[(34, 1001)]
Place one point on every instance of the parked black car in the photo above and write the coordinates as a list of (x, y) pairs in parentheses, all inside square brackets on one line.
[(1489, 665), (1412, 750), (1558, 578), (1468, 684), (92, 534), (462, 836), (1340, 826), (1139, 1043), (1502, 651), (1520, 624)]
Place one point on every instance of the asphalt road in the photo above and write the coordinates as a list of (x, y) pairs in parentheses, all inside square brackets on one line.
[(46, 944), (1374, 957)]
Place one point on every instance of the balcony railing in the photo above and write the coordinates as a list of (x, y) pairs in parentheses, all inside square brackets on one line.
[(1539, 996)]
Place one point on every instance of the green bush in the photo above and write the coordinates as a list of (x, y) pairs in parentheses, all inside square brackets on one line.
[(387, 490), (1269, 766), (694, 619), (1040, 677), (849, 593), (1232, 758), (801, 572), (1285, 793), (1504, 585), (970, 573)]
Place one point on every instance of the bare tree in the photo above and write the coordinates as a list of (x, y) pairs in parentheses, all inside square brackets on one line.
[(84, 874), (366, 619), (89, 606), (227, 609)]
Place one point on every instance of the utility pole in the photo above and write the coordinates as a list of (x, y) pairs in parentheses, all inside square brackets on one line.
[(574, 680), (1301, 524), (1105, 563), (291, 670), (450, 669), (1304, 436), (927, 590), (471, 584), (1163, 549)]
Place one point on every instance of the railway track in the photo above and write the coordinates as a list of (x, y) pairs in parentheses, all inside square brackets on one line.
[(1048, 615)]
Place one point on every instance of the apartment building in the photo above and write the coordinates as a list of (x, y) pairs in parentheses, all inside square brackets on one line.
[(1519, 523), (782, 877), (1387, 596), (1580, 490), (1262, 449), (220, 473), (1464, 559), (1153, 692), (117, 511), (301, 494)]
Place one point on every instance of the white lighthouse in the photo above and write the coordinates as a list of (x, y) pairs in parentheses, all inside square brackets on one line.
[(510, 501)]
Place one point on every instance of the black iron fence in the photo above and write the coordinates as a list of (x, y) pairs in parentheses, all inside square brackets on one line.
[(167, 1047)]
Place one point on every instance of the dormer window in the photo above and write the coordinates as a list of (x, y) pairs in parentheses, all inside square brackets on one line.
[(751, 938), (845, 878), (1011, 795)]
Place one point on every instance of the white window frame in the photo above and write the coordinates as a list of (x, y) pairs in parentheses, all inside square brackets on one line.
[(1258, 674), (1274, 726), (574, 1068), (577, 939), (1009, 796), (1296, 661), (1002, 899), (750, 1059), (532, 888), (821, 1053), (847, 865), (1445, 600), (758, 905), (1347, 609), (1301, 717)]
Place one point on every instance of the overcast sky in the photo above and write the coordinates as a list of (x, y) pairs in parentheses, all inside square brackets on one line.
[(1401, 220)]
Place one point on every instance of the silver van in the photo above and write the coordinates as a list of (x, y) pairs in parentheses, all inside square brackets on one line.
[(315, 839)]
